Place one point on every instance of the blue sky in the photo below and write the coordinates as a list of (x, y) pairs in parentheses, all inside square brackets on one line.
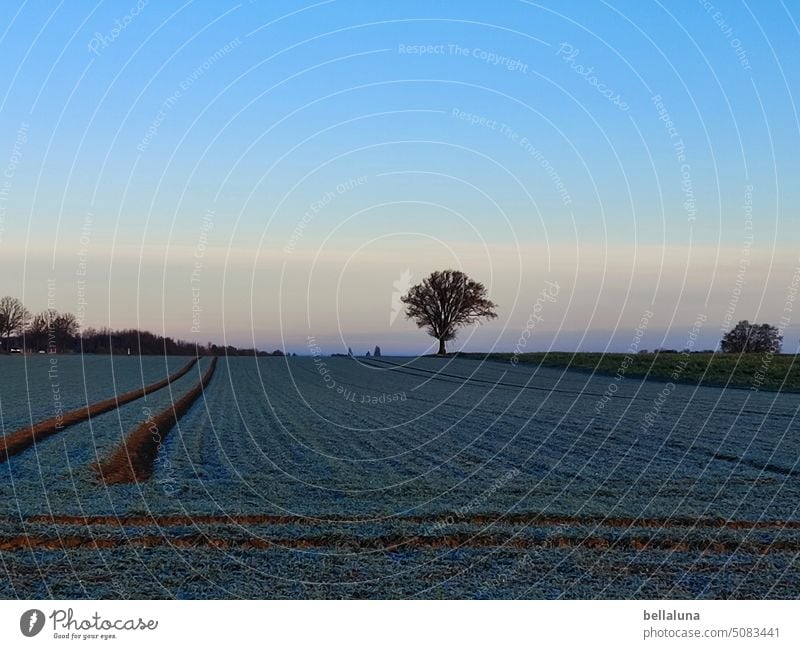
[(523, 142)]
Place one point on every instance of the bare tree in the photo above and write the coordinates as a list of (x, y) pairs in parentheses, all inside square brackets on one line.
[(445, 301), (13, 317), (38, 329), (65, 328), (748, 338)]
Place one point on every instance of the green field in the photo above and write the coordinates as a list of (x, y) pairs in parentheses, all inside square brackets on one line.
[(749, 371)]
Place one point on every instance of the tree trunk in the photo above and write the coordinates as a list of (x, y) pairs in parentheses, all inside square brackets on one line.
[(442, 351)]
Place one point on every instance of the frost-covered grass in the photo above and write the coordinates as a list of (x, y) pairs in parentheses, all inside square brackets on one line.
[(437, 449), (780, 372), (471, 573), (33, 387), (55, 474)]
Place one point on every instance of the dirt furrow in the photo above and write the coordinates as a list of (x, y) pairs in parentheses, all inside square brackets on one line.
[(342, 544), (132, 460), (527, 519)]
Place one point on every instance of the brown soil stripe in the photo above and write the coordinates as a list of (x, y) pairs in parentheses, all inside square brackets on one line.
[(440, 521), (133, 459), (24, 438), (389, 543)]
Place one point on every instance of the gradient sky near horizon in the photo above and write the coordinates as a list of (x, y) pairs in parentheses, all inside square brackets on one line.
[(262, 172)]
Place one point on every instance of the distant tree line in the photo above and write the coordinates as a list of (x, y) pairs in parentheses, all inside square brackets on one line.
[(53, 332), (123, 341)]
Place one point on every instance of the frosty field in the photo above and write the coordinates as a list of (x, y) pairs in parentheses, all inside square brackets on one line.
[(31, 387), (395, 477)]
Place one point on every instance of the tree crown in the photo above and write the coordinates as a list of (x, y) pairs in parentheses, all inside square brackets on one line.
[(445, 301), (747, 338)]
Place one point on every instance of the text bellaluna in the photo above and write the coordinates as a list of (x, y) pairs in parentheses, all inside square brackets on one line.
[(663, 615)]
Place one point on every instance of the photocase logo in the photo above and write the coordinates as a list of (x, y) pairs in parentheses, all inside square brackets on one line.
[(31, 622), (401, 287)]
